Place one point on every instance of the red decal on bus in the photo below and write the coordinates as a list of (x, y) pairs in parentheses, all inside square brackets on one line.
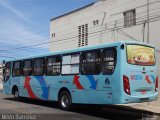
[(148, 80), (77, 83), (28, 87)]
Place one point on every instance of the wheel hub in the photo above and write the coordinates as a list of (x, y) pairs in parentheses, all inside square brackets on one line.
[(65, 101), (16, 94)]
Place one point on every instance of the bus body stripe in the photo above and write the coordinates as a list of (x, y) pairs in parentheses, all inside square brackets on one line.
[(92, 81), (28, 87), (148, 80), (153, 78), (44, 86), (77, 83)]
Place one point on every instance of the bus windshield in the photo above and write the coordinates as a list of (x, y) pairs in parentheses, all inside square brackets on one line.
[(140, 55)]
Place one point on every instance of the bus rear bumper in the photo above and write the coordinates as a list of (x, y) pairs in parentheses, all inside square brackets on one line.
[(139, 99)]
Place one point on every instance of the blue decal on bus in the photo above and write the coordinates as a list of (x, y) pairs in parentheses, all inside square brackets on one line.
[(136, 77), (92, 81), (44, 86), (153, 78)]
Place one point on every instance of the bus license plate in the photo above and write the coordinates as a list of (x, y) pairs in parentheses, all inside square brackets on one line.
[(144, 99)]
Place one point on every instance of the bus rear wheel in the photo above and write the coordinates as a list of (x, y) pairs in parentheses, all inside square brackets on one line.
[(65, 100), (16, 94)]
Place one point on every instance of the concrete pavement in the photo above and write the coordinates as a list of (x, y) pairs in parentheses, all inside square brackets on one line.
[(27, 106), (49, 110), (153, 106)]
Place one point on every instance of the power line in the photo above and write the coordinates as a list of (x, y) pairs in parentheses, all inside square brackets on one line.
[(54, 41), (35, 37), (35, 45), (100, 12)]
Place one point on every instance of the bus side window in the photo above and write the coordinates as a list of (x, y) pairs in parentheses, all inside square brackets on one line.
[(91, 62), (38, 67), (7, 71), (109, 61), (53, 65), (70, 64), (27, 67), (16, 68)]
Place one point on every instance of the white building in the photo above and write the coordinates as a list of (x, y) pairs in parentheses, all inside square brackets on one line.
[(107, 21)]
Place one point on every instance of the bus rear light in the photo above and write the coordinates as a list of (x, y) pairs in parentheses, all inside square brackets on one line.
[(156, 86), (126, 85)]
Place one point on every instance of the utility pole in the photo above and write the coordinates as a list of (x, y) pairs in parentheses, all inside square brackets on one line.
[(143, 30), (100, 37), (148, 21), (115, 27)]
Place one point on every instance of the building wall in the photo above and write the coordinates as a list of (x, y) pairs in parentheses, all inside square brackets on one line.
[(111, 24), (1, 74)]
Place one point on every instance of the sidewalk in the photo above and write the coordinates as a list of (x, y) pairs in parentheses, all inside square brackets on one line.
[(153, 106)]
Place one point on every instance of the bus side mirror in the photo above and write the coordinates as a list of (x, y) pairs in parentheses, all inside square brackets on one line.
[(4, 62), (122, 46)]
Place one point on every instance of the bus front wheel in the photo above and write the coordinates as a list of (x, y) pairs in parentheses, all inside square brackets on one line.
[(65, 100), (16, 94)]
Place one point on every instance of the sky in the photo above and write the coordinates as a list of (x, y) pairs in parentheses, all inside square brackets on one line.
[(25, 25)]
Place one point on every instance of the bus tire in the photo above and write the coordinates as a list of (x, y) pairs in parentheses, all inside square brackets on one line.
[(65, 101), (16, 93)]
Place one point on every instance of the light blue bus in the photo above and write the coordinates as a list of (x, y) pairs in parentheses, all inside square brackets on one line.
[(115, 73)]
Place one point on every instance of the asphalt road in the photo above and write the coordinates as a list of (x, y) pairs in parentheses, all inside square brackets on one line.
[(43, 110)]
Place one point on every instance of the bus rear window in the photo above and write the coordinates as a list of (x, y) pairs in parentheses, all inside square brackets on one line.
[(140, 55)]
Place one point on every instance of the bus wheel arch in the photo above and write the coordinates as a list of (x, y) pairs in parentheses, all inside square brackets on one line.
[(15, 92), (64, 99)]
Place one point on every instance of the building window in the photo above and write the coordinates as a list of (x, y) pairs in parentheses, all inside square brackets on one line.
[(53, 65), (27, 67), (70, 64), (129, 18), (38, 67), (109, 61), (83, 35), (91, 62), (53, 35), (95, 22), (16, 68), (7, 71)]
